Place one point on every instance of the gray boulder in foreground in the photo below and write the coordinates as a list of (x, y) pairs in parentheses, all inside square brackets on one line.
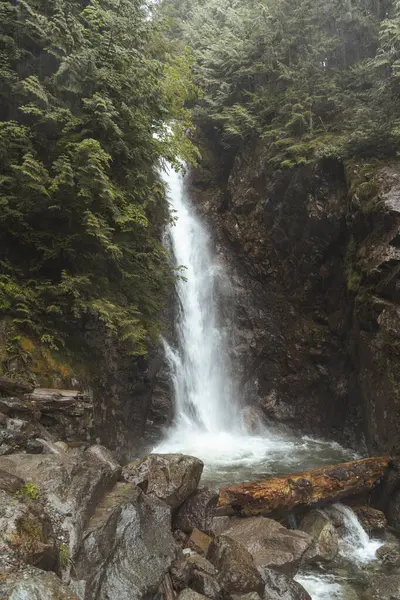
[(170, 477)]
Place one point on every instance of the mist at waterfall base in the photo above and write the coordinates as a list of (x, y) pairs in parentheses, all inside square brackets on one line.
[(208, 417)]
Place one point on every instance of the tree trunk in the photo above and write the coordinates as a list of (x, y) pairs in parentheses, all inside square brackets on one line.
[(318, 486)]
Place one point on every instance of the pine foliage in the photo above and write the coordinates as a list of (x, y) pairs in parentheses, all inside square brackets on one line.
[(88, 90), (301, 78)]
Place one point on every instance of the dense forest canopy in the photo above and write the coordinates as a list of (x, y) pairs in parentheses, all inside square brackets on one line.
[(87, 89), (95, 94), (307, 77)]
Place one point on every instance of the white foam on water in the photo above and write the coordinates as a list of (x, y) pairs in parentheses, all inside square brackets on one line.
[(355, 544), (322, 587)]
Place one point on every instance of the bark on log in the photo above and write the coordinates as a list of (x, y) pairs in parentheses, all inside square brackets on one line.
[(12, 387), (284, 493)]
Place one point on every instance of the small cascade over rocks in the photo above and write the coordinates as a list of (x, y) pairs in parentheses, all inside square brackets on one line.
[(355, 543)]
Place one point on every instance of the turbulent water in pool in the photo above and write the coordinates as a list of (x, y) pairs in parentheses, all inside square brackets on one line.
[(208, 416)]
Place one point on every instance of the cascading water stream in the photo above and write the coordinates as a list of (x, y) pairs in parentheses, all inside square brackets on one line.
[(208, 421), (207, 408), (204, 395)]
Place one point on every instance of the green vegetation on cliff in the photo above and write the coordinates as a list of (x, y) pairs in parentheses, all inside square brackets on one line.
[(86, 90), (305, 78)]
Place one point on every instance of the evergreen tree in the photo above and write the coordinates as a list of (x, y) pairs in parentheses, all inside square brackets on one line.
[(87, 92)]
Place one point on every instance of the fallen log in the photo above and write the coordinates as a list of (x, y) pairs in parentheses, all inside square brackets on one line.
[(317, 486)]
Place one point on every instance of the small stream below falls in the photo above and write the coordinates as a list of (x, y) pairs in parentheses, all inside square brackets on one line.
[(208, 414)]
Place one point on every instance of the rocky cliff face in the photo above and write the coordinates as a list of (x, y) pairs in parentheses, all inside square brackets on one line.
[(313, 259)]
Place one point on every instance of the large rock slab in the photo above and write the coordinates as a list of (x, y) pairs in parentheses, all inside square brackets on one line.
[(170, 477), (69, 484), (127, 547), (371, 519), (325, 538), (33, 584), (237, 572), (279, 586), (270, 543), (197, 512), (26, 533)]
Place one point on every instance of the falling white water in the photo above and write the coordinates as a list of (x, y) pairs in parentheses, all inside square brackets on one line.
[(205, 397), (355, 543), (208, 420), (356, 547), (323, 586)]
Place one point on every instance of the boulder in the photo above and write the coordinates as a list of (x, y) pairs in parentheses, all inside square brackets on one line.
[(205, 584), (189, 594), (181, 572), (33, 584), (237, 572), (219, 525), (384, 587), (199, 541), (249, 596), (270, 543), (10, 483), (197, 512), (170, 477), (127, 547), (69, 484), (26, 532), (373, 520), (325, 538), (199, 563), (204, 577), (389, 554), (279, 586)]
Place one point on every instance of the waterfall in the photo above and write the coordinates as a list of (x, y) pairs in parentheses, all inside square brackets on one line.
[(208, 418), (204, 394), (355, 544)]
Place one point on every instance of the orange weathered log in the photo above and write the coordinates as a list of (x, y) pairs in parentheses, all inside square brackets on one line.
[(284, 493)]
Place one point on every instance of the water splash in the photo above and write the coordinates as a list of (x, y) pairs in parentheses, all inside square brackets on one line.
[(323, 586), (355, 544)]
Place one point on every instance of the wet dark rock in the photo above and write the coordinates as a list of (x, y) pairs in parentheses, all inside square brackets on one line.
[(237, 572), (70, 485), (382, 586), (189, 594), (315, 319), (389, 554), (34, 584), (270, 543), (197, 512), (181, 572), (127, 547), (199, 541), (249, 596), (170, 477), (373, 520), (26, 530), (280, 587), (9, 482), (325, 538), (205, 584)]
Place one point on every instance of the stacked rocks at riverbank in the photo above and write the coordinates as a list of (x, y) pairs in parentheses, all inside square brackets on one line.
[(76, 525)]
